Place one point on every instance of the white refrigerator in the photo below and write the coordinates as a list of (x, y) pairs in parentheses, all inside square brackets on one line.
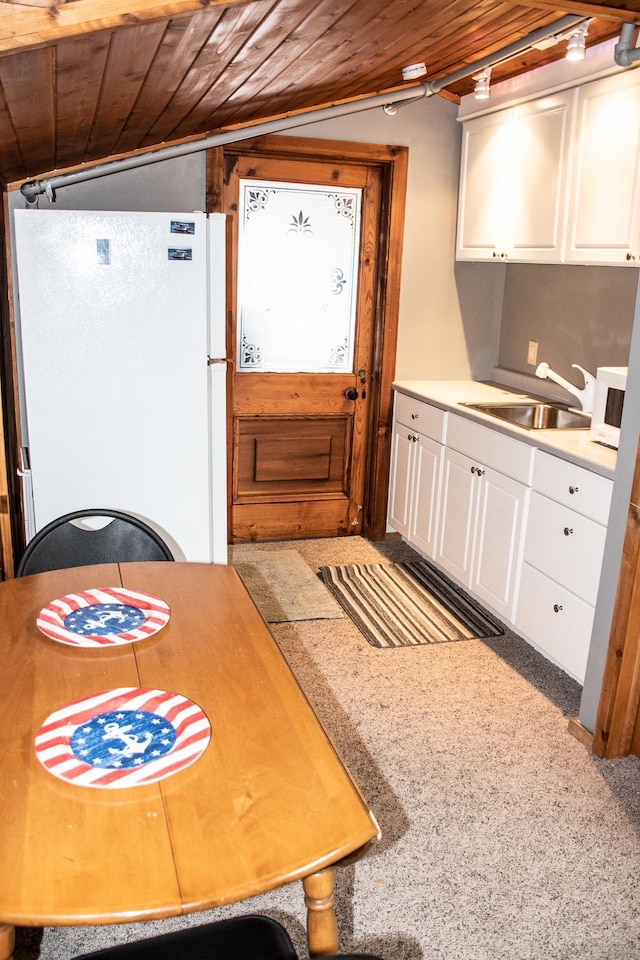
[(121, 325)]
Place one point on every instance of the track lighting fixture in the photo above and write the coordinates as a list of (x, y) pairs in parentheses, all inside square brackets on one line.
[(576, 42), (482, 89), (540, 39)]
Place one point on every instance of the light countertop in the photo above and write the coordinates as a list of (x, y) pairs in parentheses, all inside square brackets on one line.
[(572, 445)]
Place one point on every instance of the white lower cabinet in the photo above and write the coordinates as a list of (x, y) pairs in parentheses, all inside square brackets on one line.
[(521, 529), (416, 460), (482, 513), (555, 620), (563, 552)]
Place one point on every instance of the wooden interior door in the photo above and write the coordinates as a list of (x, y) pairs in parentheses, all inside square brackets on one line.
[(301, 440)]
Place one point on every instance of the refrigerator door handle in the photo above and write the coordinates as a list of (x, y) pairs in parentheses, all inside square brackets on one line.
[(28, 505)]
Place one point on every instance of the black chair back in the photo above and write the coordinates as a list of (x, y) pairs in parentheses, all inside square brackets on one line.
[(249, 937), (62, 543)]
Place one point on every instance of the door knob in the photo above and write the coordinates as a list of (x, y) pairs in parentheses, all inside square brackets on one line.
[(351, 393)]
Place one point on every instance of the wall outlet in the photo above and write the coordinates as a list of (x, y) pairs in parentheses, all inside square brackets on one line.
[(532, 353)]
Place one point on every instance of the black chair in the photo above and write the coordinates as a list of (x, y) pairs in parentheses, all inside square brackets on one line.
[(241, 938), (62, 544)]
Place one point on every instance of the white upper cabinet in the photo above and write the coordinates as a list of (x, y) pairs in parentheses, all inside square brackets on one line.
[(604, 200), (483, 174), (512, 182), (537, 182), (555, 179)]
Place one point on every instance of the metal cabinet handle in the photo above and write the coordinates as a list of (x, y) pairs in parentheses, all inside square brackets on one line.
[(568, 531), (415, 416), (573, 489), (557, 607)]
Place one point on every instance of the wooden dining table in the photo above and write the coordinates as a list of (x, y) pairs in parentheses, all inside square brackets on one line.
[(268, 801)]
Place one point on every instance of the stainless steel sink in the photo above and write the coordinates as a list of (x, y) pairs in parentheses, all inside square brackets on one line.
[(534, 416)]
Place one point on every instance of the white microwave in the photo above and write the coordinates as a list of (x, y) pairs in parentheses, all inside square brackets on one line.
[(611, 384)]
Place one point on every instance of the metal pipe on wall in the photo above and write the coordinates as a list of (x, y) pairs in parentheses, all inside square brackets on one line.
[(50, 184), (623, 54), (32, 189)]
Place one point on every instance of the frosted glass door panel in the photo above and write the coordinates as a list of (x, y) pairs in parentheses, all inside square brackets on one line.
[(297, 277)]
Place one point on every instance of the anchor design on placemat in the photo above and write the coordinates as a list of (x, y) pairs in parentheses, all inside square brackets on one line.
[(143, 736), (133, 745), (104, 619)]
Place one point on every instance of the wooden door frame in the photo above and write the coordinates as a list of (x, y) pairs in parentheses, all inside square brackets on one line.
[(617, 729), (393, 163)]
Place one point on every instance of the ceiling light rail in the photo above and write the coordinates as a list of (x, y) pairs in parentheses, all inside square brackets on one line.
[(34, 188), (500, 56)]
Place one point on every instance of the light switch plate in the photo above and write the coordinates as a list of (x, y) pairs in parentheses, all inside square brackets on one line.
[(532, 353)]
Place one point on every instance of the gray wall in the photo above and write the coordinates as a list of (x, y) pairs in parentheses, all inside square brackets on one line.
[(576, 314), (172, 185)]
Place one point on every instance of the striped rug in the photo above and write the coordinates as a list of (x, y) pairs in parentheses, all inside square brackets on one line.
[(406, 604)]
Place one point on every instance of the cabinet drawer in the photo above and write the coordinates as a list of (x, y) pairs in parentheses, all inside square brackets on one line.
[(565, 545), (490, 448), (580, 489), (421, 417), (556, 621)]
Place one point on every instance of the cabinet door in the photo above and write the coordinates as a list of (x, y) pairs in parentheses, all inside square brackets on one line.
[(565, 546), (483, 176), (604, 223), (427, 462), (537, 178), (400, 479), (555, 621), (457, 514), (501, 510)]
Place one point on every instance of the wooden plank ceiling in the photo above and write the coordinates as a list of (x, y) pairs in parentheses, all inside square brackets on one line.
[(85, 80)]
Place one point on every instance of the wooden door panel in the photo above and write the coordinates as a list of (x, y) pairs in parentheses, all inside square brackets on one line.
[(287, 458), (291, 519), (280, 393)]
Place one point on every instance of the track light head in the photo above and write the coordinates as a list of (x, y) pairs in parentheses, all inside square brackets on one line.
[(576, 42), (482, 89)]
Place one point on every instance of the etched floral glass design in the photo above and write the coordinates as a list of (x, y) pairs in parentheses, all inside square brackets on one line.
[(297, 277)]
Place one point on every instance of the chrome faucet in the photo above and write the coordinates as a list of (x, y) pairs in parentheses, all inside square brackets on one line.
[(585, 396)]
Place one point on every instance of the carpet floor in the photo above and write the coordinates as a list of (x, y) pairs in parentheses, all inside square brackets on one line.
[(503, 838)]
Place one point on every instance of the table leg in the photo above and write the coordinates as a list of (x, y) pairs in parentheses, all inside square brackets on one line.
[(7, 940), (322, 927)]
